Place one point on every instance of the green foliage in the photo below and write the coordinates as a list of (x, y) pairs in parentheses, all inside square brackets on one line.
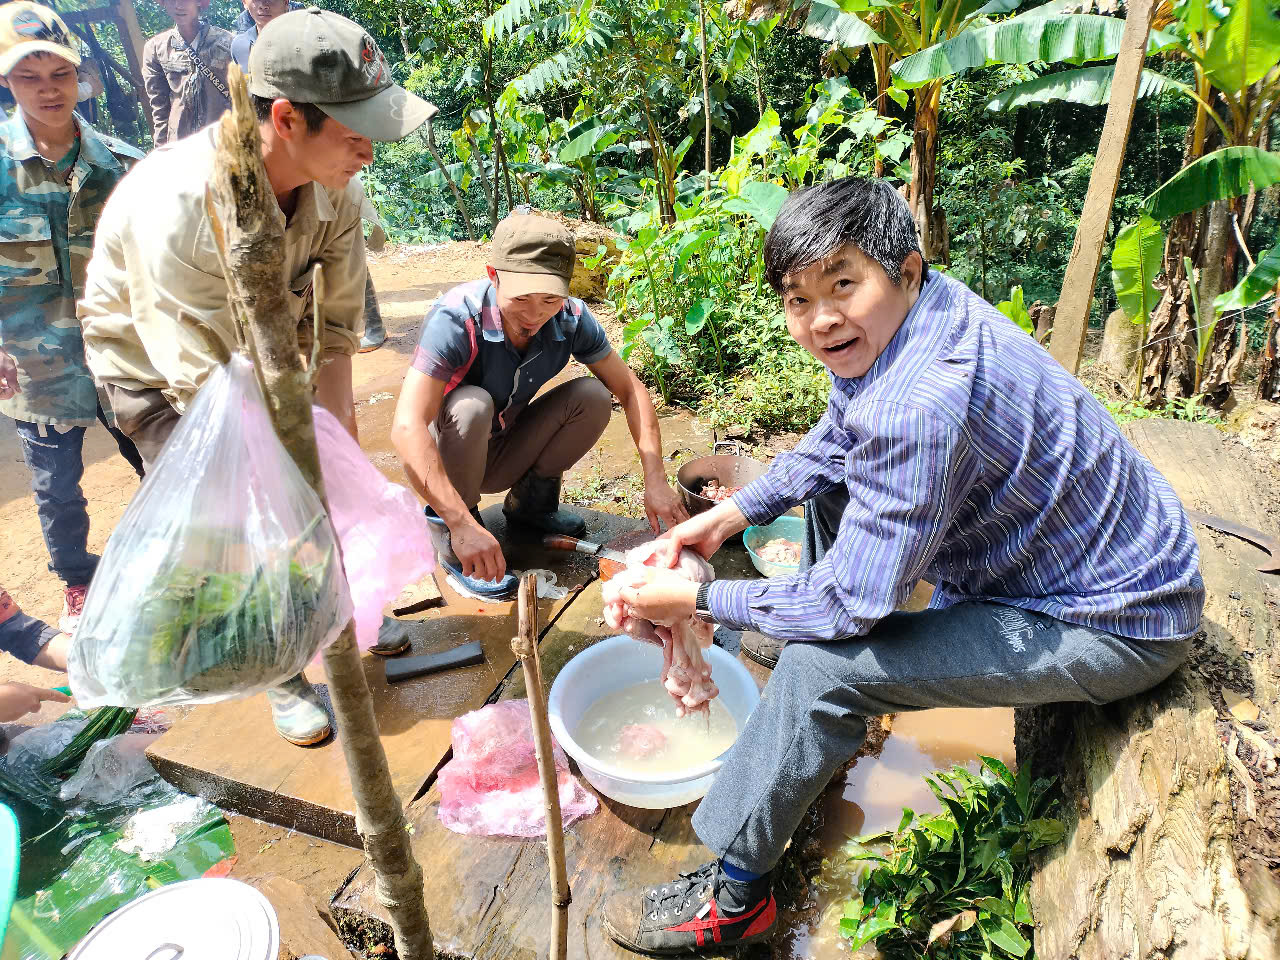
[(1028, 38), (954, 884), (1260, 281), (1135, 263), (1245, 47), (1191, 409), (1225, 173), (1087, 86), (1015, 309)]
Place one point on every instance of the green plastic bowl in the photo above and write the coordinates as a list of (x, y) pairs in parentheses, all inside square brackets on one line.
[(787, 527)]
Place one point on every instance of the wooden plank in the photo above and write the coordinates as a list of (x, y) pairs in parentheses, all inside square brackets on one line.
[(230, 754), (1066, 342), (488, 896), (303, 933), (131, 38)]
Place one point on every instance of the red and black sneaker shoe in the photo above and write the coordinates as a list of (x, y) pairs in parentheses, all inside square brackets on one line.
[(702, 910)]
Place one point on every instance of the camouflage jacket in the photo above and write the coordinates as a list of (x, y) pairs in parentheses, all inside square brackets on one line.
[(46, 238)]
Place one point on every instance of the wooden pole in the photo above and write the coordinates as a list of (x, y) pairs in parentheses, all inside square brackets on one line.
[(126, 20), (249, 227), (1066, 343), (525, 646)]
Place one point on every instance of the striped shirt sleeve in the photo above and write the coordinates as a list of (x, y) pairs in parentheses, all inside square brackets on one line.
[(905, 484), (814, 466)]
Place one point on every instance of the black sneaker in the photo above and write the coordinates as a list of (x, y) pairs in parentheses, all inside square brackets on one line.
[(701, 910)]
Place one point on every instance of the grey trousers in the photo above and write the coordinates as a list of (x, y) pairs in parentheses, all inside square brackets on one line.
[(548, 437), (812, 714)]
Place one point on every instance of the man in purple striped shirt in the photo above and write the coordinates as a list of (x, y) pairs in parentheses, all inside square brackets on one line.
[(955, 450)]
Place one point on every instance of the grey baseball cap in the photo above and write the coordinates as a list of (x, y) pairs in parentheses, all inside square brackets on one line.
[(320, 57)]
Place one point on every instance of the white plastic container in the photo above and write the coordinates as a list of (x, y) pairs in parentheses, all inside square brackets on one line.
[(619, 662)]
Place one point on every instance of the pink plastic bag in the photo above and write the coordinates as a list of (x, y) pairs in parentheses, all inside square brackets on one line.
[(380, 527), (491, 787)]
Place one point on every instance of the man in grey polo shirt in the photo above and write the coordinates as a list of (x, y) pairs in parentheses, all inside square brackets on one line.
[(468, 422)]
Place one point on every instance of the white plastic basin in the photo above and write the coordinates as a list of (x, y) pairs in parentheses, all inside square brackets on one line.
[(619, 662)]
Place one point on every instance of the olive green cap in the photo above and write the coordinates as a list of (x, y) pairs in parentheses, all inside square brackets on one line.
[(320, 57), (533, 254)]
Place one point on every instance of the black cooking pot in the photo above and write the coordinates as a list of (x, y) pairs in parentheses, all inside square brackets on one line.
[(728, 470)]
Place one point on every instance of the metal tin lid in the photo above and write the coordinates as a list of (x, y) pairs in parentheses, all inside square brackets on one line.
[(202, 919)]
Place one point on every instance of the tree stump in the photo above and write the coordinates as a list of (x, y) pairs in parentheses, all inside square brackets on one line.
[(1171, 801), (1121, 341)]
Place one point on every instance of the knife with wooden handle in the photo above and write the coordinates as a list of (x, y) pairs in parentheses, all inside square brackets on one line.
[(573, 544)]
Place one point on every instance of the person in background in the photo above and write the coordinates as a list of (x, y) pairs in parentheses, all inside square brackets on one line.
[(256, 15), (31, 641), (185, 72), (322, 92), (56, 173), (468, 421)]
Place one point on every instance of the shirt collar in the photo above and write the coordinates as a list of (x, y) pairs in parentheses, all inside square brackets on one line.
[(491, 319), (314, 207), (93, 151), (916, 321)]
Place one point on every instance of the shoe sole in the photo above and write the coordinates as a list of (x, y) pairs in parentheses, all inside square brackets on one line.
[(712, 946), (370, 349), (760, 658), (388, 652), (314, 739)]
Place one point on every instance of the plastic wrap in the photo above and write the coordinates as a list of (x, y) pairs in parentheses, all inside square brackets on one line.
[(491, 785), (380, 526), (222, 577)]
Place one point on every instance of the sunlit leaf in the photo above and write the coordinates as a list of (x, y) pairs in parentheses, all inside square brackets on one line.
[(826, 21), (1002, 932), (760, 199), (1087, 86), (697, 316), (1246, 46), (1073, 38), (1220, 175), (1135, 263)]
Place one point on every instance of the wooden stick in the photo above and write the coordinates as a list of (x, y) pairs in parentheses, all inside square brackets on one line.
[(250, 230), (525, 646)]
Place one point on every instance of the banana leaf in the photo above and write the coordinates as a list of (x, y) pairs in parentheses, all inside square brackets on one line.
[(1135, 262), (1261, 280), (1026, 38), (1087, 86), (1245, 47), (1220, 175)]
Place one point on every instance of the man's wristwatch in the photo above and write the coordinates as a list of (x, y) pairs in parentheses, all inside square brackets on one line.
[(700, 608)]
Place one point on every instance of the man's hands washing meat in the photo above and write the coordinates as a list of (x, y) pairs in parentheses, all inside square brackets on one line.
[(685, 672)]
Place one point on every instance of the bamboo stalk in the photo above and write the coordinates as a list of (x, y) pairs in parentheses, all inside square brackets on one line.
[(249, 228), (525, 646)]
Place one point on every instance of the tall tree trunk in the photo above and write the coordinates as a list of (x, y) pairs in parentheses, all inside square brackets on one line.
[(495, 126), (880, 65), (444, 169), (242, 203), (706, 96), (1269, 376), (404, 33), (490, 195), (930, 221), (1223, 359)]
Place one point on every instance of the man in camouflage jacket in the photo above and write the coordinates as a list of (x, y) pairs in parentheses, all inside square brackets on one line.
[(56, 173)]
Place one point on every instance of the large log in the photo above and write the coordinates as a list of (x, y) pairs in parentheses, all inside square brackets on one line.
[(1172, 803)]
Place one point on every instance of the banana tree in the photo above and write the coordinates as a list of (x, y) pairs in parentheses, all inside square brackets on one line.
[(1234, 48)]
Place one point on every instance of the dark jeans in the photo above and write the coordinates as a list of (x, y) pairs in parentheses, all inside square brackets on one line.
[(54, 455), (812, 715)]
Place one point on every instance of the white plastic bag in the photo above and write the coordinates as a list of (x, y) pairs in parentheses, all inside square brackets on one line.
[(222, 578)]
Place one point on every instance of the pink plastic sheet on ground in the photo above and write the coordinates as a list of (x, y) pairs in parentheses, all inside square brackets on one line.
[(491, 787), (380, 527)]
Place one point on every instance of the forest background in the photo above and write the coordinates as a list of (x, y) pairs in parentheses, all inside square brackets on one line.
[(682, 124)]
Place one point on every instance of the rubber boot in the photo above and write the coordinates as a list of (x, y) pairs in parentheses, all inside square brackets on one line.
[(298, 712), (501, 589), (374, 333), (534, 502)]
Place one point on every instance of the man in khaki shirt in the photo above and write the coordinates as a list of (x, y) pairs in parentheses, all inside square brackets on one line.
[(323, 92)]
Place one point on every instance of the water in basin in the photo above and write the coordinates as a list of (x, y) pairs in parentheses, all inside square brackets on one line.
[(636, 730)]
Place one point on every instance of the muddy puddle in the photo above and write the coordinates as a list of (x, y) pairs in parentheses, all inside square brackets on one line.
[(872, 798)]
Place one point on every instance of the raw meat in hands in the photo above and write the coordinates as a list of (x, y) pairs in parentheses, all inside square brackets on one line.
[(685, 672)]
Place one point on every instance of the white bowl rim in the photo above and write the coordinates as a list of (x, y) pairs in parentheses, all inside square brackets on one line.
[(584, 759)]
